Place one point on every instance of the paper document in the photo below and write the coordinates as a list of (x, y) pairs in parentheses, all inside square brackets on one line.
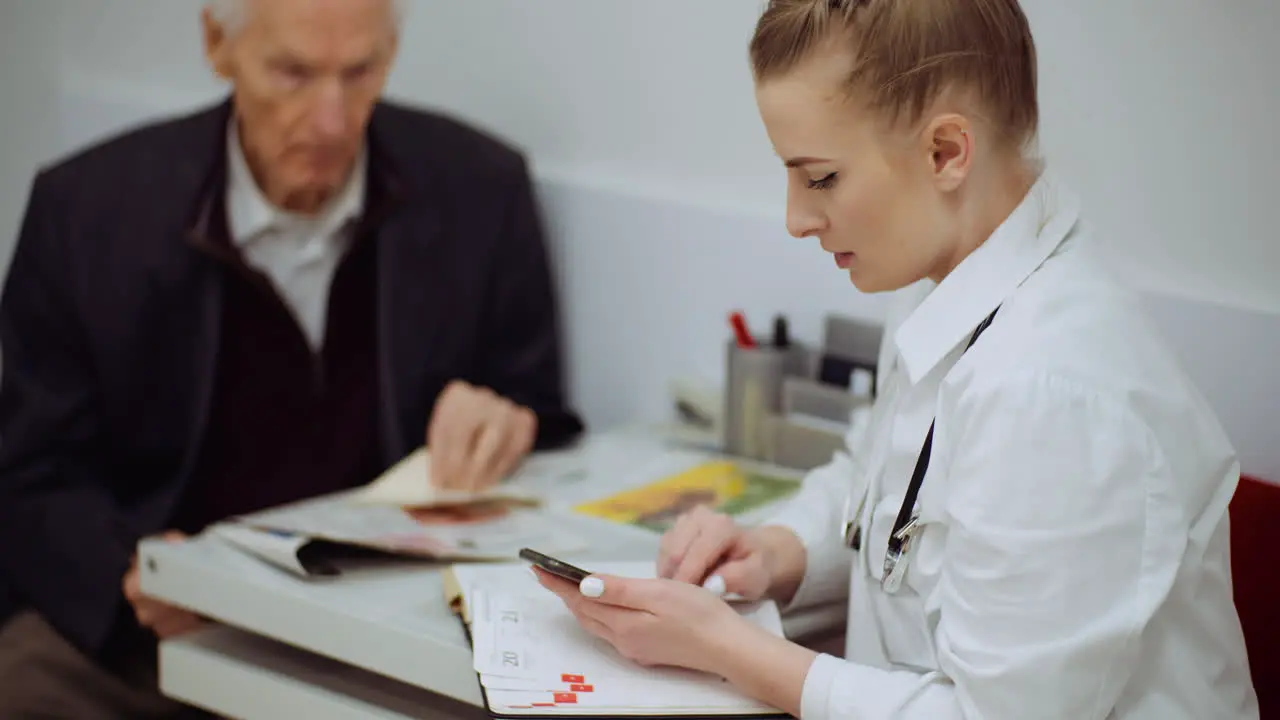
[(408, 484), (391, 529), (533, 658)]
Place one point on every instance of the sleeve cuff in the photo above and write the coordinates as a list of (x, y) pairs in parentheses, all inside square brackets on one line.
[(557, 427), (828, 566), (835, 688), (815, 698), (828, 563)]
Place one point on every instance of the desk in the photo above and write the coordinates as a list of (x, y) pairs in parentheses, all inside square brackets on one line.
[(242, 675), (387, 620)]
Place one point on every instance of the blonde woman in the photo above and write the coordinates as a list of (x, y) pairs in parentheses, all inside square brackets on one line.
[(1035, 523)]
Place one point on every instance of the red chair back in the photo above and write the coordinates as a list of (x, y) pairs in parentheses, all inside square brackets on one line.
[(1255, 545)]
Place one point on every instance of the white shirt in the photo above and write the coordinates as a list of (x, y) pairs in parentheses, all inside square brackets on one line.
[(1073, 560), (299, 254)]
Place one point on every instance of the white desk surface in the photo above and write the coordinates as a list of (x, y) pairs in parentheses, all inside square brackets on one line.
[(391, 620)]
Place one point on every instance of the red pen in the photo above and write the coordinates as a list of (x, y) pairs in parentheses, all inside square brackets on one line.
[(739, 323)]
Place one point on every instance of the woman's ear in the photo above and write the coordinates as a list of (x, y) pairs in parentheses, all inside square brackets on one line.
[(949, 142)]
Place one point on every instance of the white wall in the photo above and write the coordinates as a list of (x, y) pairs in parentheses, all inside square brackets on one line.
[(28, 75), (1165, 126), (1162, 125)]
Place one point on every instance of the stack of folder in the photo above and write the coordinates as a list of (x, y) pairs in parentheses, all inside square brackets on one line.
[(533, 660)]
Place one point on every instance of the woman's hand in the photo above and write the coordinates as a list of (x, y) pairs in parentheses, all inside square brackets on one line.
[(654, 622), (751, 563)]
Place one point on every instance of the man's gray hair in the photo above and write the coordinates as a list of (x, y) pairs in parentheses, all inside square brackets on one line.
[(232, 14)]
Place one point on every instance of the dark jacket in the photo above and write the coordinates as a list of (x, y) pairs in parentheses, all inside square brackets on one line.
[(109, 331)]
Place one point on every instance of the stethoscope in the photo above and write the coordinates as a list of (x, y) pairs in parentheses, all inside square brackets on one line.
[(907, 523)]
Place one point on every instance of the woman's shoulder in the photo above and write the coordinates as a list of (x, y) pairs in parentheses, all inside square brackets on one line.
[(1073, 339), (1071, 318)]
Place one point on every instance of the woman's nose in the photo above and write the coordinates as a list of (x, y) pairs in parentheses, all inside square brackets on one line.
[(802, 221)]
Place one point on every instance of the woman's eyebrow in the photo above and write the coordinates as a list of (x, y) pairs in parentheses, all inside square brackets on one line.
[(802, 161)]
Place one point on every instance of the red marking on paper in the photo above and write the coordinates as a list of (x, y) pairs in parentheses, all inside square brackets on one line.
[(572, 679), (566, 698), (578, 687)]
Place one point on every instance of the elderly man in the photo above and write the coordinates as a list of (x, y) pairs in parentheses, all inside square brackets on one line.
[(267, 300)]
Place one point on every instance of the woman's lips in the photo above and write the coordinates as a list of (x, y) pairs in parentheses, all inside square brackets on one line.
[(844, 260)]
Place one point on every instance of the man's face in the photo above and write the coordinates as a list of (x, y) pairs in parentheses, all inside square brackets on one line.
[(305, 75)]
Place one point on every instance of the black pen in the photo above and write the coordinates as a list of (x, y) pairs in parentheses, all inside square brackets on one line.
[(781, 337)]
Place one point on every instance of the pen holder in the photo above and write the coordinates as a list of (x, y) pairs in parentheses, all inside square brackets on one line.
[(753, 392)]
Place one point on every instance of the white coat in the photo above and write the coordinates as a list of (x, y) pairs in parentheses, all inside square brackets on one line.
[(1073, 559)]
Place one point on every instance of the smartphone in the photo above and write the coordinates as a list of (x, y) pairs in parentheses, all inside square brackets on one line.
[(559, 568)]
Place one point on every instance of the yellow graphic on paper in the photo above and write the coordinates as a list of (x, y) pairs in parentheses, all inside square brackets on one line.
[(721, 484)]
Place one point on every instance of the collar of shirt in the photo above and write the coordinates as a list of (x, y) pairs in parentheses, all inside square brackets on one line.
[(982, 281), (250, 214)]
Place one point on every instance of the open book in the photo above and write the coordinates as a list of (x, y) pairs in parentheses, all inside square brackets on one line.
[(533, 660), (308, 537)]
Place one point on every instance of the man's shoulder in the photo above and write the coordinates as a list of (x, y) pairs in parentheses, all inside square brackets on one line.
[(428, 138), (136, 150)]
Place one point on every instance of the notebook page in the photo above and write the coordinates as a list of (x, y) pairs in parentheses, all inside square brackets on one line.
[(517, 576), (524, 704), (531, 653)]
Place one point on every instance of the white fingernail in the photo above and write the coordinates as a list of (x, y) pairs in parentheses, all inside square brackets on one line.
[(715, 584), (592, 587)]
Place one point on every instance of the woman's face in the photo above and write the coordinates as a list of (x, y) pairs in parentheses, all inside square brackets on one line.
[(867, 193)]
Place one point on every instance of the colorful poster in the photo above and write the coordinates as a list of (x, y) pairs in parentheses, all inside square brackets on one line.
[(723, 485)]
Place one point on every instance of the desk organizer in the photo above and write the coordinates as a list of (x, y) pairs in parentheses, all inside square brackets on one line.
[(791, 405)]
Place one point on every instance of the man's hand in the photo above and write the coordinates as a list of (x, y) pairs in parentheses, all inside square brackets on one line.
[(477, 437), (164, 620)]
